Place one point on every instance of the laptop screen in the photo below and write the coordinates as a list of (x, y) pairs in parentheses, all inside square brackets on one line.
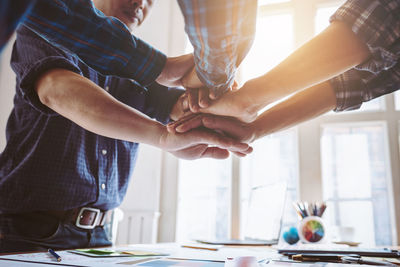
[(265, 212)]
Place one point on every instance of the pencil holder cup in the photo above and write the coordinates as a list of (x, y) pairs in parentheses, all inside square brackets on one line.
[(312, 230)]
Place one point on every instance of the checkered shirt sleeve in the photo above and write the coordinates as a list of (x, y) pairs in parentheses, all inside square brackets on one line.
[(221, 32), (377, 23), (102, 42)]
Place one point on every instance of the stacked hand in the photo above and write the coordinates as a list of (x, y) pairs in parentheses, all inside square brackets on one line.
[(227, 116), (200, 140)]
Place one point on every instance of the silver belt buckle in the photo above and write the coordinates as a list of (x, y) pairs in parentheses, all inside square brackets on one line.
[(93, 225)]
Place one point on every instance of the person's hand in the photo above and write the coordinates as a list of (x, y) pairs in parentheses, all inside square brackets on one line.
[(201, 98), (181, 108), (236, 104), (175, 69), (191, 80), (231, 127), (201, 142), (201, 151)]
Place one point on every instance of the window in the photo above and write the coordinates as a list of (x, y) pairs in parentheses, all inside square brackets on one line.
[(266, 52), (339, 151), (355, 180), (397, 100), (355, 155), (204, 199)]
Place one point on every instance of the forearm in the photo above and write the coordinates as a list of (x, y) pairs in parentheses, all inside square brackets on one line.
[(301, 107), (87, 105), (332, 52)]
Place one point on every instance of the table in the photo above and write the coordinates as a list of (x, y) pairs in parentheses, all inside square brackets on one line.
[(177, 256)]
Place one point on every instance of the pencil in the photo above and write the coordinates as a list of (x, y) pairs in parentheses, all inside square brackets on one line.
[(199, 247)]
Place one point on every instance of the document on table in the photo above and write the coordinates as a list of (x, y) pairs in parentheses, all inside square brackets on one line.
[(71, 259)]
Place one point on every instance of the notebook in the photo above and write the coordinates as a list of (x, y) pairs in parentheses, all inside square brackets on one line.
[(264, 217)]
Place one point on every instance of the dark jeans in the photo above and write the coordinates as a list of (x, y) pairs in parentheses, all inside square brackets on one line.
[(39, 231)]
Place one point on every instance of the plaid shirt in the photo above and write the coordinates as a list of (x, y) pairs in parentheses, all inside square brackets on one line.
[(377, 23), (51, 163), (104, 43), (221, 32)]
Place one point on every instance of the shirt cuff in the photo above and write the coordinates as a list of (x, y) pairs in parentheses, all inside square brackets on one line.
[(377, 25), (29, 78), (160, 101), (216, 84), (349, 91)]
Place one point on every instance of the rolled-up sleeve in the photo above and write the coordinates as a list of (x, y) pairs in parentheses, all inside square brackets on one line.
[(355, 87), (102, 42), (160, 101), (377, 24), (31, 58), (221, 33)]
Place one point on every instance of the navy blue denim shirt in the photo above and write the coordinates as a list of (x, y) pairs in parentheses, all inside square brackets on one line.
[(51, 163)]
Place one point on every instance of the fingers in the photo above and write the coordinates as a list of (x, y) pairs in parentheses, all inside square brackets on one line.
[(230, 126), (211, 137), (189, 124), (171, 127), (216, 153), (185, 103), (213, 95), (204, 101), (202, 151), (197, 98), (240, 154), (193, 99), (180, 109)]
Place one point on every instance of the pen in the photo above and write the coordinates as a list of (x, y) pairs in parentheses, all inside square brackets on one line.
[(54, 254), (322, 209), (353, 260), (317, 257)]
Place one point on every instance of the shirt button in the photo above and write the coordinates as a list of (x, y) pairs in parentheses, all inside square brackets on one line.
[(104, 152), (107, 88), (103, 186)]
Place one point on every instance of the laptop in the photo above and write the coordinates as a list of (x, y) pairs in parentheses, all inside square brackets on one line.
[(264, 217)]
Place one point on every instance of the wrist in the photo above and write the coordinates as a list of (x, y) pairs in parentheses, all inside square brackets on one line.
[(154, 134), (161, 134), (254, 131), (251, 100)]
